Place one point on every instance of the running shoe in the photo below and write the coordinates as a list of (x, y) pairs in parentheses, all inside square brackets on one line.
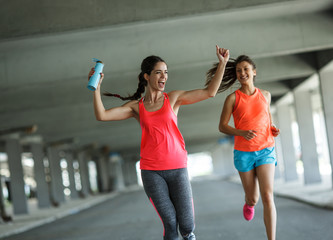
[(190, 236), (248, 212)]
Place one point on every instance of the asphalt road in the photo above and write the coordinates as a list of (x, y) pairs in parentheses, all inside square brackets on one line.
[(218, 209)]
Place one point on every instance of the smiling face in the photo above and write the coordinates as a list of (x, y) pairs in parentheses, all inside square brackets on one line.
[(158, 76), (245, 72)]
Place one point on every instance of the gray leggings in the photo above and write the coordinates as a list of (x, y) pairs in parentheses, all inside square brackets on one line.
[(170, 193)]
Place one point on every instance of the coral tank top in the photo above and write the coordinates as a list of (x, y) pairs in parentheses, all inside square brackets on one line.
[(162, 144), (251, 113)]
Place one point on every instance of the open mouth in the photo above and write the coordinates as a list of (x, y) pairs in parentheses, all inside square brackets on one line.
[(161, 84)]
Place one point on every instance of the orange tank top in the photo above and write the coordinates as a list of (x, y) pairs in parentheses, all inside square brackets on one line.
[(162, 144), (251, 113)]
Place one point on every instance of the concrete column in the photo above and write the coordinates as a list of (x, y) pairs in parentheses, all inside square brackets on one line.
[(222, 156), (4, 217), (43, 194), (288, 150), (326, 84), (130, 174), (17, 192), (57, 187), (116, 172), (307, 136), (70, 169), (84, 174), (102, 163)]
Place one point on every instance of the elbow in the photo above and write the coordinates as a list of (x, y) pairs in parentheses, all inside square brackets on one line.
[(222, 129), (99, 118), (211, 94)]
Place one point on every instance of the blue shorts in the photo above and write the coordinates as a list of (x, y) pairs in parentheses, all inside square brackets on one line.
[(246, 161)]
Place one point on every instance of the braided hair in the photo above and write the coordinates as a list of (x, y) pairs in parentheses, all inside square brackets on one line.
[(147, 66), (229, 77)]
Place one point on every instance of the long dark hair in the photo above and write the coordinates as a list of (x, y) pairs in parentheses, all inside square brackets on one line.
[(229, 77), (147, 66)]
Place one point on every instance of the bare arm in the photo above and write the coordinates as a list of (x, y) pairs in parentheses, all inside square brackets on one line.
[(275, 130), (224, 126), (113, 114), (193, 96)]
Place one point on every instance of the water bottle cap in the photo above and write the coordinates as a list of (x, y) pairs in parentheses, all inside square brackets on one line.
[(97, 60)]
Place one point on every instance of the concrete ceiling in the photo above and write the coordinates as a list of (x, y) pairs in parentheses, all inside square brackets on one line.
[(46, 49)]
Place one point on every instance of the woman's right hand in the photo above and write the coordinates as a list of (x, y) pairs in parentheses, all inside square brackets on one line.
[(222, 54), (92, 71), (248, 134)]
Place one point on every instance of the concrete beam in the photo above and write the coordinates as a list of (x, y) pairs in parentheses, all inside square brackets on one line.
[(44, 17)]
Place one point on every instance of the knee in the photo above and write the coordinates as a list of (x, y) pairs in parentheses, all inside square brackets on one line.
[(267, 198), (170, 224)]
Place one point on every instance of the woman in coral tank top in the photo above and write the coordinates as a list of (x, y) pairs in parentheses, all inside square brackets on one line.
[(163, 160), (254, 132)]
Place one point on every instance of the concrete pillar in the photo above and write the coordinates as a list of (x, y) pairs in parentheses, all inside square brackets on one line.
[(70, 169), (307, 136), (57, 187), (4, 217), (287, 144), (17, 192), (326, 85), (102, 163), (223, 158), (84, 174), (130, 175), (43, 194), (116, 172)]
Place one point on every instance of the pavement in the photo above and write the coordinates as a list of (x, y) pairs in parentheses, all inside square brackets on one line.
[(319, 195)]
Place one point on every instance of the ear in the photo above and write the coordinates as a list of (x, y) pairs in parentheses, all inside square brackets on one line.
[(254, 72), (146, 76)]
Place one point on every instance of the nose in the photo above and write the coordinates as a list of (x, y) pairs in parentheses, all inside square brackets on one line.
[(242, 73)]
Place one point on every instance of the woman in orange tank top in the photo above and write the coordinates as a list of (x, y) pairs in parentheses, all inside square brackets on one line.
[(254, 132), (163, 155)]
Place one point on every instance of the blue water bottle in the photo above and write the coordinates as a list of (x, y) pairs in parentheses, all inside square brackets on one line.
[(94, 79)]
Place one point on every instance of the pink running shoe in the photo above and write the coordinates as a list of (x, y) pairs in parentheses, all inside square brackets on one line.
[(248, 212)]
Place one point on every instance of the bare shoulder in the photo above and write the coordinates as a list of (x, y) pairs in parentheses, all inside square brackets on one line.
[(133, 105), (266, 94), (174, 95), (231, 98)]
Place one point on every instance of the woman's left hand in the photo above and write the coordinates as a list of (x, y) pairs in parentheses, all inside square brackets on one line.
[(222, 54), (275, 131)]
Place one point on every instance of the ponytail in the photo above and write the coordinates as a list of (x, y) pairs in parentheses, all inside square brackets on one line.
[(147, 66), (137, 95), (229, 76)]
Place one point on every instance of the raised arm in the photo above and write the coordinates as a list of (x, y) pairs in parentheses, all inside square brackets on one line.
[(193, 96), (224, 126), (113, 114)]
